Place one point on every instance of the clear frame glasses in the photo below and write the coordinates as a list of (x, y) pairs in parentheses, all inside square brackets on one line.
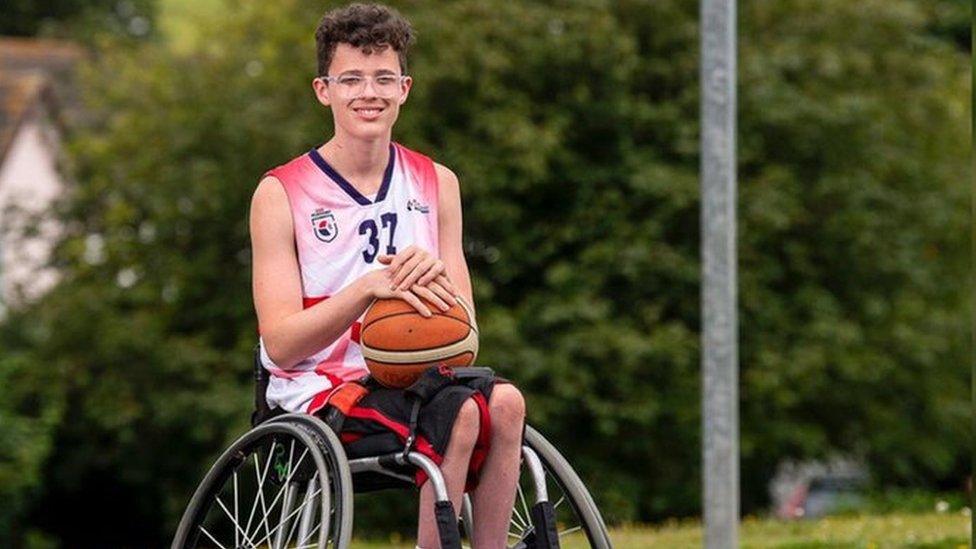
[(351, 86)]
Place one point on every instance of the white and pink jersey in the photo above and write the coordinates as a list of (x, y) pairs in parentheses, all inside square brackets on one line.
[(339, 233)]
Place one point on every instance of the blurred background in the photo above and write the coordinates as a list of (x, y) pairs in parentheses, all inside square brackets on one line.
[(133, 133)]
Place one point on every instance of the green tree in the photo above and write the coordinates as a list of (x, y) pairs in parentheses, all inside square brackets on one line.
[(77, 19), (951, 20), (853, 241)]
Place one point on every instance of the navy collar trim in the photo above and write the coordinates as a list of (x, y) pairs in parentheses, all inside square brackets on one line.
[(347, 186)]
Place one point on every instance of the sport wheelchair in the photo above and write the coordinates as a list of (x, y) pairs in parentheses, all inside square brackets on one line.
[(288, 484)]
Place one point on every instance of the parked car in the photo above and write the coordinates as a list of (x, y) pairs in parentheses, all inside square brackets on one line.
[(823, 495)]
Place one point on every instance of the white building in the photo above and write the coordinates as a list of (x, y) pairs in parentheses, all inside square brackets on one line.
[(37, 102)]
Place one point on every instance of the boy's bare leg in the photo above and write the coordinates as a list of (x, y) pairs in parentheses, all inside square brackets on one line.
[(493, 500), (454, 468)]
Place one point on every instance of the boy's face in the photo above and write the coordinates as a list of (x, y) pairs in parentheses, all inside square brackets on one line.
[(368, 113)]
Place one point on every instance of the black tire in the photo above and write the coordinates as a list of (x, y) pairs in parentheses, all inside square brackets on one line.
[(315, 473)]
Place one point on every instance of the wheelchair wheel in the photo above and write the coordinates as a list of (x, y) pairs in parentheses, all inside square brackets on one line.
[(282, 484), (578, 521)]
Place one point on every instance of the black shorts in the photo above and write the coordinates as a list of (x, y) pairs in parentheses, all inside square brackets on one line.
[(380, 422)]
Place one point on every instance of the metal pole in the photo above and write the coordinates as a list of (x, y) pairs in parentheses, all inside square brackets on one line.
[(720, 368)]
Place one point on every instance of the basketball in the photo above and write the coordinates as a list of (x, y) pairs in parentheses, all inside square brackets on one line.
[(399, 344)]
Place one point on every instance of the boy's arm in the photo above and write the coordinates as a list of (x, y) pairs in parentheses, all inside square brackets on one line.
[(291, 333), (449, 231)]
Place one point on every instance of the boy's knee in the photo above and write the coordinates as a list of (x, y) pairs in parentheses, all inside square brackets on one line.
[(507, 408)]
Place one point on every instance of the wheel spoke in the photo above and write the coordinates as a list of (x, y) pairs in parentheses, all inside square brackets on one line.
[(525, 506), (570, 531), (204, 530), (260, 476), (294, 524), (291, 530), (280, 524), (308, 536), (517, 519), (237, 527), (558, 503), (287, 481), (309, 499), (519, 524), (267, 510), (237, 540), (287, 510)]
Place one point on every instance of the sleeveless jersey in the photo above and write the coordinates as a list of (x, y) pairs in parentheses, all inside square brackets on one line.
[(339, 233)]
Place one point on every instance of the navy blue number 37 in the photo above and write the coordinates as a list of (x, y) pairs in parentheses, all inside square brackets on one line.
[(369, 229)]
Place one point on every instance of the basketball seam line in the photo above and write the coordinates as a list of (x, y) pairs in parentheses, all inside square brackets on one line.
[(426, 355), (364, 331)]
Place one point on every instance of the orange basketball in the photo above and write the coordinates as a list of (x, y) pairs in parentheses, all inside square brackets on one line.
[(399, 344)]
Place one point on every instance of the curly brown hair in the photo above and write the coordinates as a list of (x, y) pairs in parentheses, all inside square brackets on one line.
[(369, 27)]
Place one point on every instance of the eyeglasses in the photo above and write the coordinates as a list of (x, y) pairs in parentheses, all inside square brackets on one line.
[(351, 86)]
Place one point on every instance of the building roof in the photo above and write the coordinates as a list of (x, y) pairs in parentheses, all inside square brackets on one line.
[(53, 56), (31, 71)]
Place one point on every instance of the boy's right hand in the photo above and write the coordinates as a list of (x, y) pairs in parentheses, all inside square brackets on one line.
[(378, 283)]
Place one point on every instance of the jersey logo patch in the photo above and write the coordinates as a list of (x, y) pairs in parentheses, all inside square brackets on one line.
[(414, 205), (324, 225)]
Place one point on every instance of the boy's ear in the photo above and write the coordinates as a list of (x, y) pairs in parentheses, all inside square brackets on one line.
[(321, 91), (408, 83)]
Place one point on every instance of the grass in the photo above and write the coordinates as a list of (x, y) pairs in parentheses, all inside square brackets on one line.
[(924, 530)]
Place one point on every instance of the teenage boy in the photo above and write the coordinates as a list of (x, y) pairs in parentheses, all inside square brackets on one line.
[(358, 218)]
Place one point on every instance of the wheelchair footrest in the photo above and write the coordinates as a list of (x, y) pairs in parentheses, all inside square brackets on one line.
[(447, 525), (544, 526)]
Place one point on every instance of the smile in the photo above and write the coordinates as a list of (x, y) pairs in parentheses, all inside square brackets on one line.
[(369, 112)]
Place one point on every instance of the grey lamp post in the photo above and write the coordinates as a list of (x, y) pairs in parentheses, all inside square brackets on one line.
[(720, 369)]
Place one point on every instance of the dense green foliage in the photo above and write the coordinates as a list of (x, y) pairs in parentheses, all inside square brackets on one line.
[(76, 19), (573, 128), (853, 240)]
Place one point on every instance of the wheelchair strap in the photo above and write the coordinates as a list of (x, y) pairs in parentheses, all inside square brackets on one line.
[(430, 382), (341, 400), (412, 434), (473, 372)]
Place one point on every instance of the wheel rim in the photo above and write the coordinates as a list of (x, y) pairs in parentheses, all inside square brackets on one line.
[(275, 493)]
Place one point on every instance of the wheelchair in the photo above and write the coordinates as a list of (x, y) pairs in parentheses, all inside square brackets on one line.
[(287, 483)]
